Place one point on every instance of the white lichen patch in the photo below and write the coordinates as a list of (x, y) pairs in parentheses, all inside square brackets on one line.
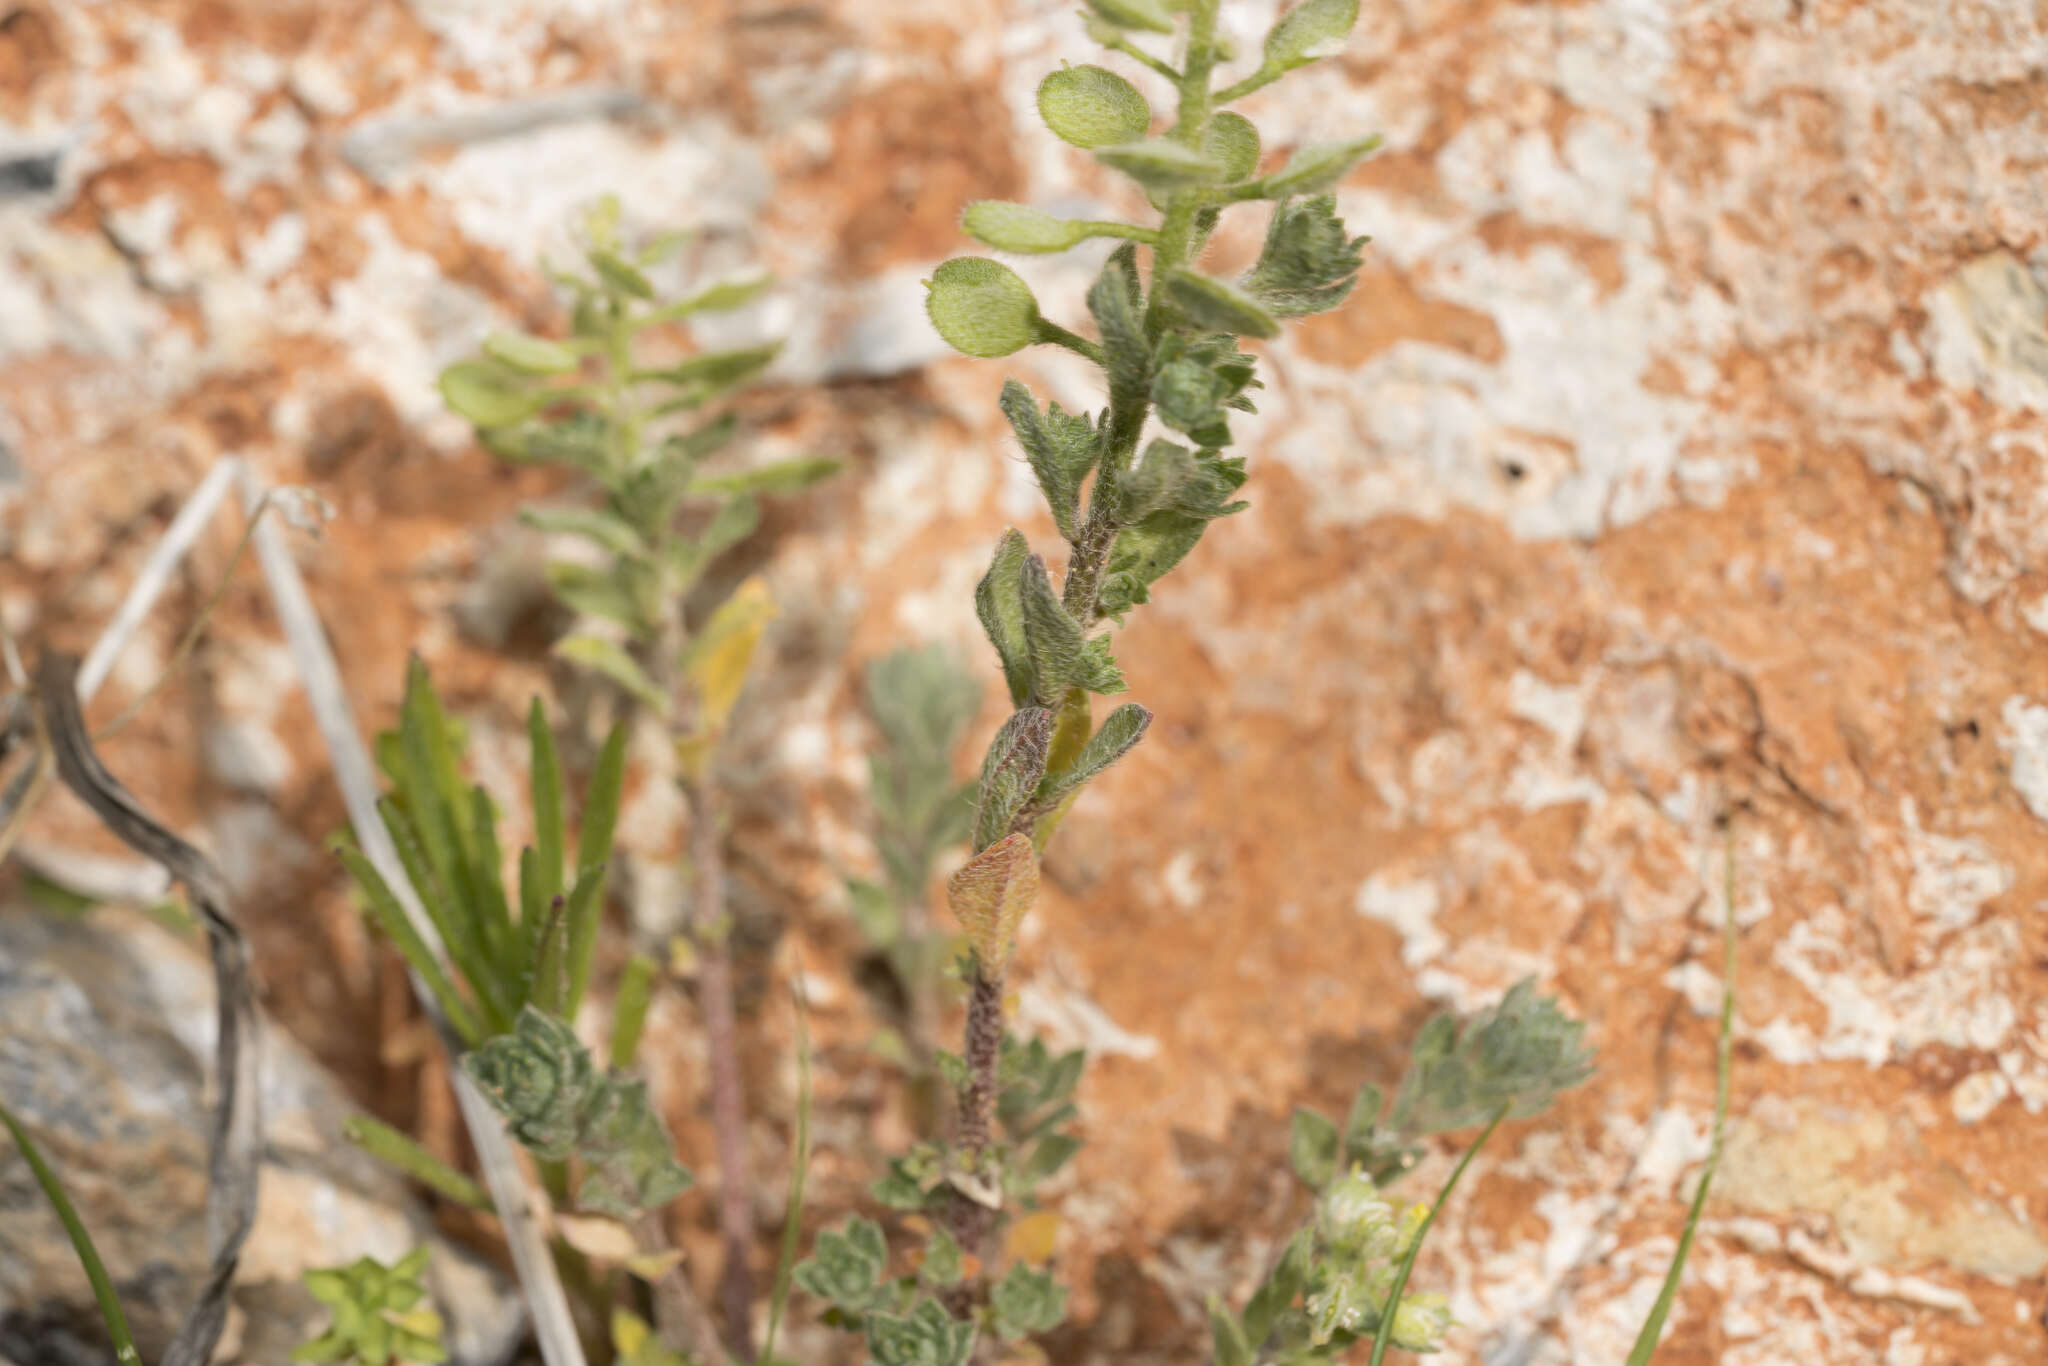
[(1987, 330), (2024, 738), (1409, 908)]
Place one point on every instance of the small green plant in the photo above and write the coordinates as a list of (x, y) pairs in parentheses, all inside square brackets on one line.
[(921, 701), (381, 1314), (615, 403)]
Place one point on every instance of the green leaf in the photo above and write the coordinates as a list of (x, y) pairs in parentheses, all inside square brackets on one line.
[(714, 371), (783, 476), (391, 918), (874, 910), (1146, 552), (535, 355), (608, 658), (1162, 164), (1513, 1057), (596, 592), (944, 1263), (557, 1104), (1277, 1292), (1217, 305), (1090, 106), (1227, 1337), (1117, 736), (489, 395), (614, 533), (619, 276), (629, 1009), (601, 801), (545, 786), (1161, 473), (1309, 264), (731, 524), (1311, 30), (845, 1266), (926, 1336), (1197, 383), (1026, 1301), (1312, 1148), (982, 308), (1047, 1156), (1062, 448), (1020, 228), (1233, 144), (1150, 15), (1010, 772), (1061, 655), (1316, 167), (999, 602), (1117, 304), (82, 1247)]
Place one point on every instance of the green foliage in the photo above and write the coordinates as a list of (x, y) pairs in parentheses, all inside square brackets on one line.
[(380, 1314), (1516, 1056), (1090, 107), (1308, 264), (445, 830), (559, 1105), (1026, 1301), (125, 1353), (598, 403)]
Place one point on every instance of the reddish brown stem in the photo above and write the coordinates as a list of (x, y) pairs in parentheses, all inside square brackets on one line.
[(971, 1222), (728, 1109)]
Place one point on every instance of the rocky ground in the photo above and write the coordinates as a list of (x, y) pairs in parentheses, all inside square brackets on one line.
[(1681, 455)]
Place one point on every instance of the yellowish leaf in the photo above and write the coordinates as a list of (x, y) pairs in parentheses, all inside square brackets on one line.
[(629, 1333), (652, 1266), (718, 659), (604, 1240), (1033, 1238), (991, 895)]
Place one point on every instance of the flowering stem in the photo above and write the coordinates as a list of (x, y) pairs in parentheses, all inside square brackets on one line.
[(1384, 1334)]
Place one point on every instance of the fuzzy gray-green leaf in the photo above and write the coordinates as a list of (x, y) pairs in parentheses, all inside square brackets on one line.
[(1218, 305), (1061, 655), (982, 308), (1163, 164), (999, 602), (1117, 736), (1010, 772), (1117, 304), (1062, 448), (1311, 30)]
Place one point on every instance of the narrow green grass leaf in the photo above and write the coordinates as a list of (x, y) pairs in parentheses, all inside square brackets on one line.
[(396, 1149), (1653, 1327), (1384, 1336), (495, 912), (81, 1243), (450, 915), (601, 802), (629, 1010), (545, 777), (585, 914), (800, 1167), (392, 919)]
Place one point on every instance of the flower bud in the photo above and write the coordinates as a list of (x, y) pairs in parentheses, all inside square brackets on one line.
[(1420, 1323)]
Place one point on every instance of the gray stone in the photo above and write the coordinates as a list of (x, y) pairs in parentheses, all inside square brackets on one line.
[(106, 1036)]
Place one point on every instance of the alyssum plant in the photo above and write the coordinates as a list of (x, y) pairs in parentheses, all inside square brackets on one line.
[(1129, 510)]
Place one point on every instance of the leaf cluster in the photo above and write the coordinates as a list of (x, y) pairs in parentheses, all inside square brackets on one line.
[(559, 1105), (598, 403), (380, 1314), (508, 947)]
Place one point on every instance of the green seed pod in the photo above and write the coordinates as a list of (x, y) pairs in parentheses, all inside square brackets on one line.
[(1233, 144), (1150, 15), (1161, 164), (982, 308), (1315, 29), (1018, 227), (1218, 306), (1091, 106), (1317, 167)]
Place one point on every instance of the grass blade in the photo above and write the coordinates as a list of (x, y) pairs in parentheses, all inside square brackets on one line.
[(629, 1011), (81, 1243), (1724, 1064), (1384, 1335), (601, 802), (493, 910), (449, 914), (586, 911), (391, 918), (800, 1167), (395, 1149), (549, 835)]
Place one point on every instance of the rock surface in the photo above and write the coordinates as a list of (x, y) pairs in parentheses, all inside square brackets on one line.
[(106, 1041), (1681, 454)]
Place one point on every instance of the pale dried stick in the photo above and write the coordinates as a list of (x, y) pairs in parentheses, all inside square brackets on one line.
[(552, 1322)]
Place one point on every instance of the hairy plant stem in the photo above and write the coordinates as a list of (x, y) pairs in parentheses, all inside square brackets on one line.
[(711, 937), (969, 1220)]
